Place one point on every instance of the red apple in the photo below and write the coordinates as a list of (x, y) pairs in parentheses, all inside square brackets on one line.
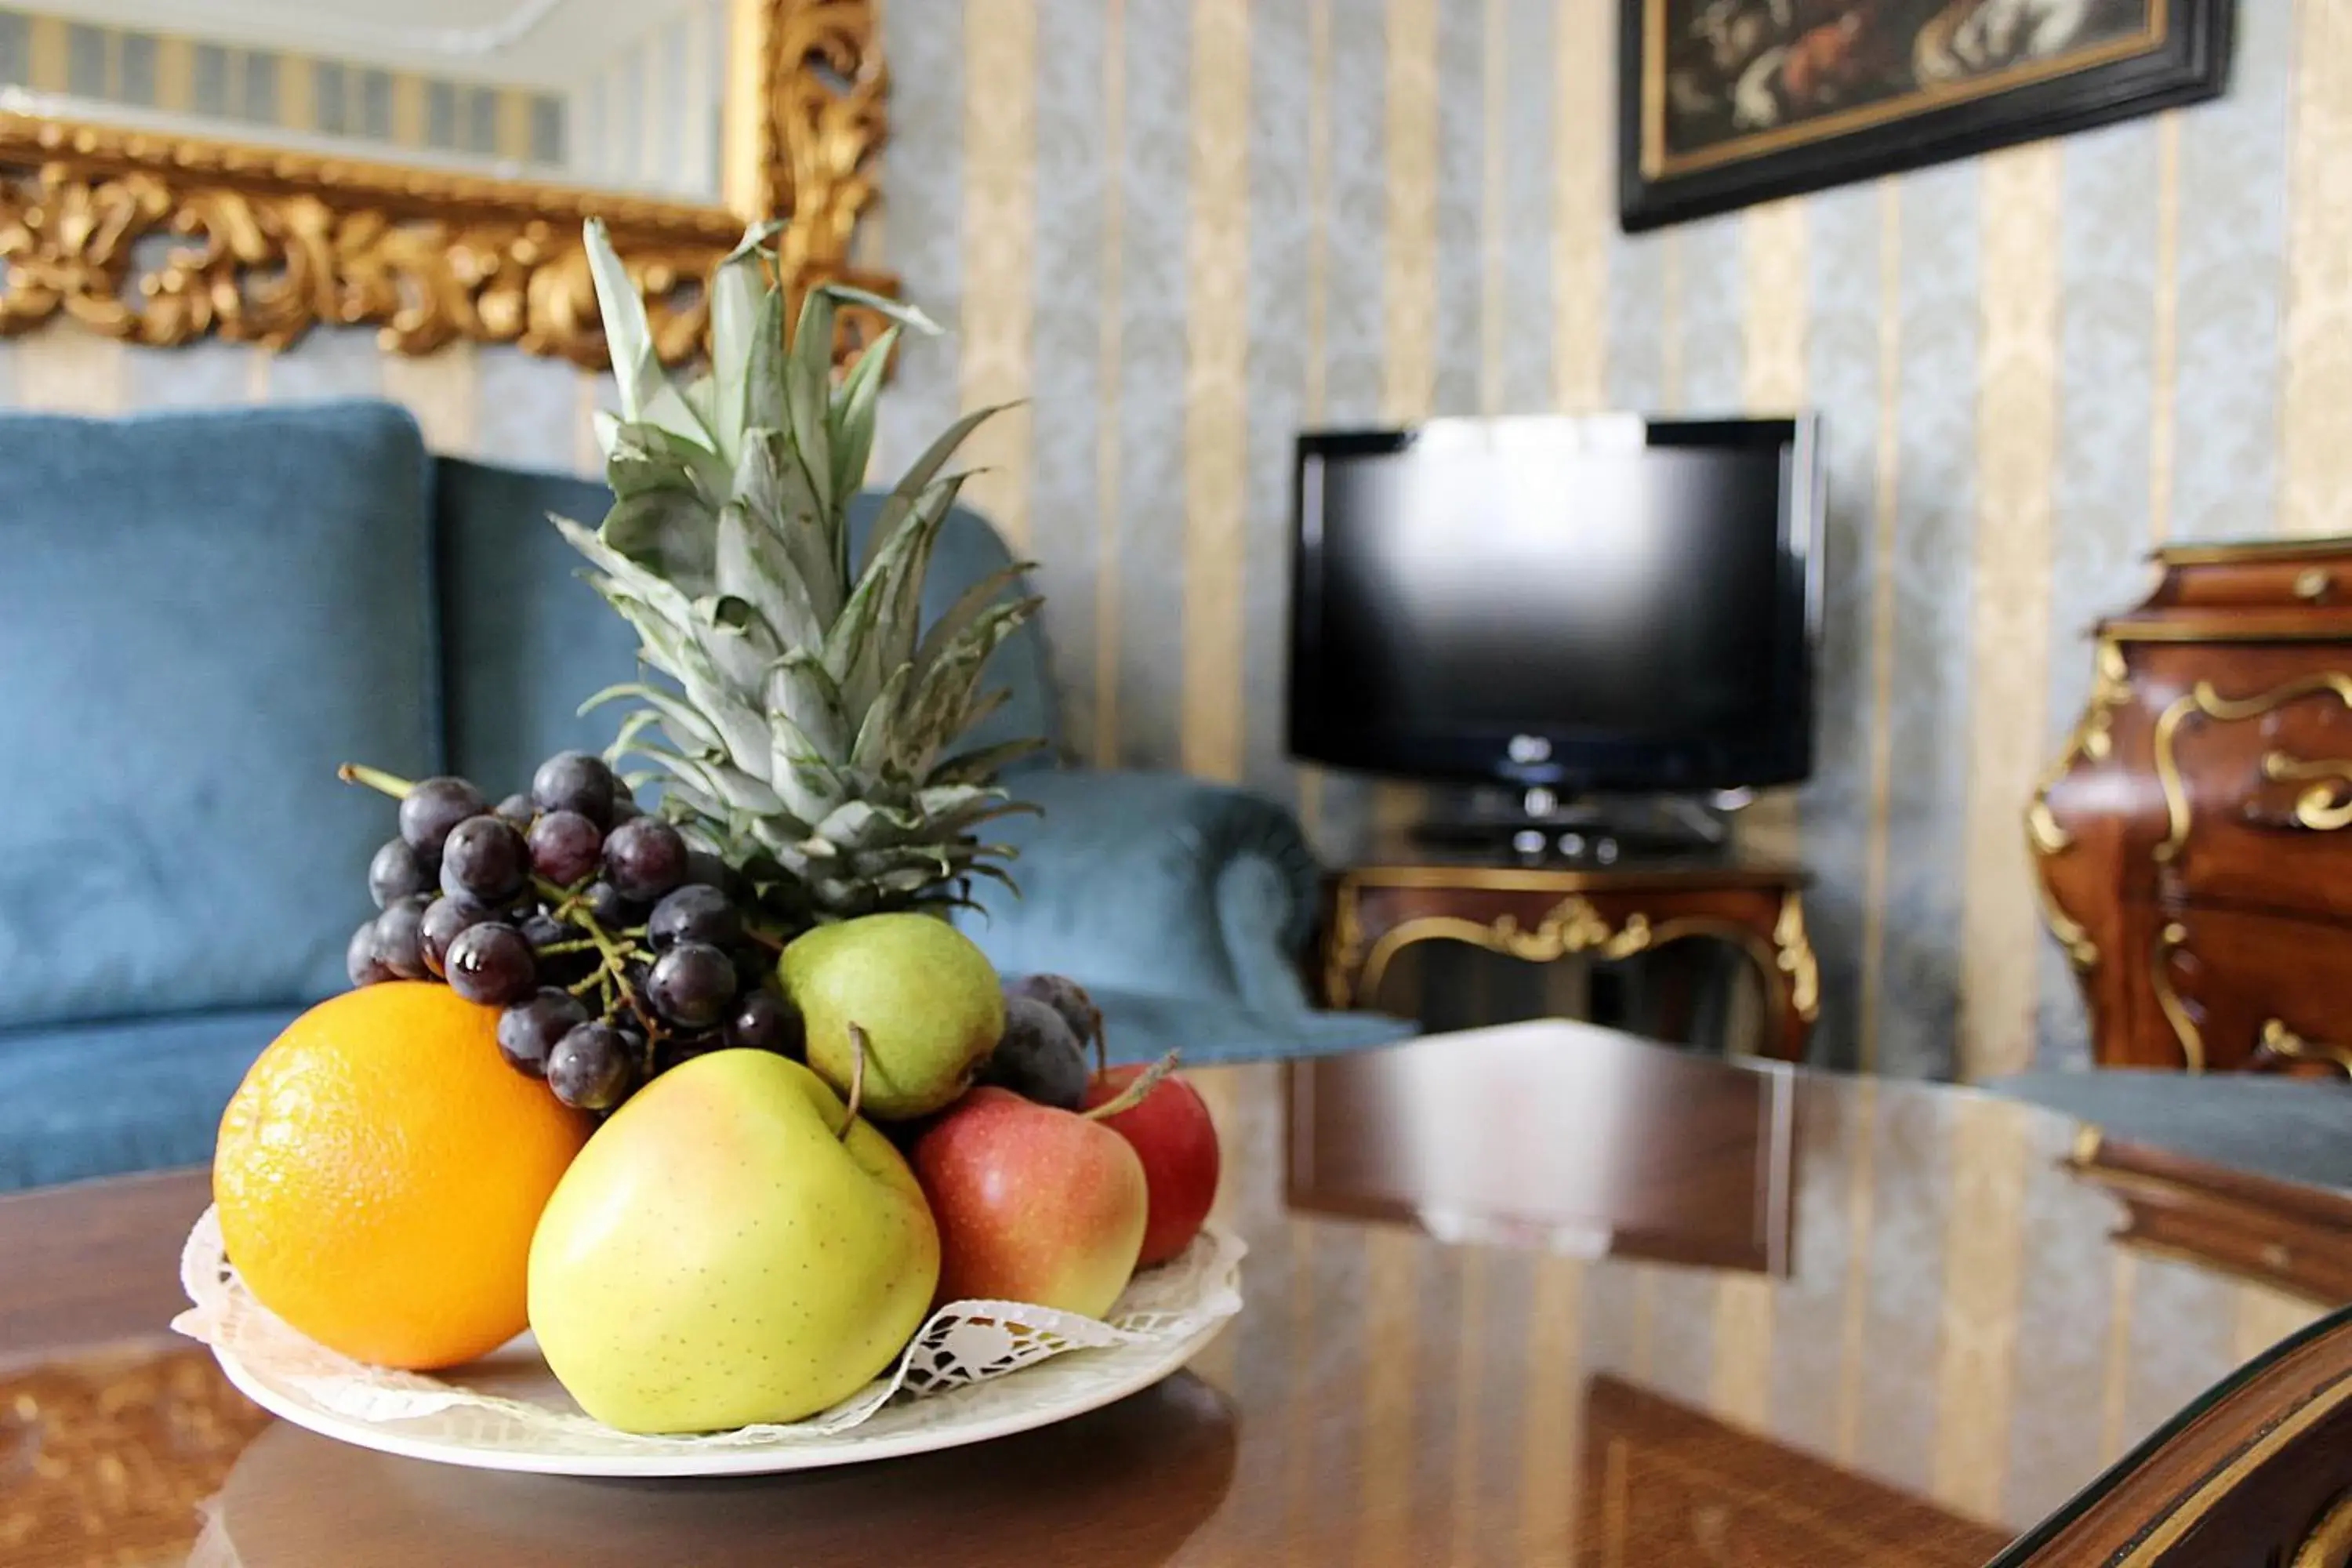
[(1170, 1131), (1033, 1204)]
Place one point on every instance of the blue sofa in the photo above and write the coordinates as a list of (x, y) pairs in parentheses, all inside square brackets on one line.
[(202, 614)]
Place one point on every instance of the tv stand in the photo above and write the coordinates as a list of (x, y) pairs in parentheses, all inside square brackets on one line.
[(1543, 910)]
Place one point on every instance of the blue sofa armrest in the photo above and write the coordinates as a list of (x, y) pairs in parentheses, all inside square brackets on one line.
[(1153, 883)]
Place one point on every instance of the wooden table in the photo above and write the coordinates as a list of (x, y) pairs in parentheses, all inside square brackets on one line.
[(1912, 1339)]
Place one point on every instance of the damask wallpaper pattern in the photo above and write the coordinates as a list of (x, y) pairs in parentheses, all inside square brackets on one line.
[(1182, 229)]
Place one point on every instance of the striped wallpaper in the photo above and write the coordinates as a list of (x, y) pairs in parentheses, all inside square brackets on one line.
[(1182, 229)]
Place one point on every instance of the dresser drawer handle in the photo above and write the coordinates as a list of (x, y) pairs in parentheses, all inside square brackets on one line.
[(2312, 585)]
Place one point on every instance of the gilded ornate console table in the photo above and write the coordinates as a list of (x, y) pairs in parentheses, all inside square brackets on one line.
[(1545, 912), (2194, 839)]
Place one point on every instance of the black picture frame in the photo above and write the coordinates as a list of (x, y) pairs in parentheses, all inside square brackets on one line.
[(2181, 57)]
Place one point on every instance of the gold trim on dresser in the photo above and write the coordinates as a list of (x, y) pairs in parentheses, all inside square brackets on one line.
[(2279, 1040), (2203, 701), (272, 242), (2319, 808), (2093, 739), (2171, 940)]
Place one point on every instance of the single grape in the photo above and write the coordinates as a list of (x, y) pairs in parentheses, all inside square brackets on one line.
[(1038, 1057), (359, 960), (566, 846), (1064, 995), (704, 868), (574, 780), (529, 1029), (397, 937), (695, 912), (517, 808), (624, 806), (763, 1021), (692, 986), (432, 808), (608, 909), (485, 860), (645, 857), (491, 963), (444, 918), (396, 872), (589, 1067)]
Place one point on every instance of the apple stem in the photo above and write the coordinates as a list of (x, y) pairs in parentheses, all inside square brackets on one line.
[(1137, 1092), (856, 1079), (392, 785)]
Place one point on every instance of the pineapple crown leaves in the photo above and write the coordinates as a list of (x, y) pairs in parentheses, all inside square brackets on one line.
[(803, 721)]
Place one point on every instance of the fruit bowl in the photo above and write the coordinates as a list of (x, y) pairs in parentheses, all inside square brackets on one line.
[(976, 1370)]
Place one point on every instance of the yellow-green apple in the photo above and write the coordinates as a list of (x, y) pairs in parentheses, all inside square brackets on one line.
[(1172, 1133), (1034, 1203), (721, 1253), (925, 998)]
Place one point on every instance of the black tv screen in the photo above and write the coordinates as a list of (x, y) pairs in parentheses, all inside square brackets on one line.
[(1611, 603)]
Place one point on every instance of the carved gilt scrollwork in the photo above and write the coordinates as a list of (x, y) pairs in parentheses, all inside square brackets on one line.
[(2186, 1028), (2278, 1040), (1575, 925), (265, 243), (2326, 805), (2094, 740), (1793, 953), (2317, 809)]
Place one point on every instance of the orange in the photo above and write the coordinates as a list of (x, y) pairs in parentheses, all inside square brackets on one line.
[(380, 1172)]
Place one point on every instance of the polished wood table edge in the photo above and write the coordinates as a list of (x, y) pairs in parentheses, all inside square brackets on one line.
[(2293, 1237), (2271, 1417), (95, 1261)]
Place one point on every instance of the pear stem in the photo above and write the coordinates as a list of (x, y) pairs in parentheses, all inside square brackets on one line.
[(857, 1081), (392, 785), (1137, 1092)]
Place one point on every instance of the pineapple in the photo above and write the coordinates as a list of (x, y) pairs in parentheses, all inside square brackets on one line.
[(809, 736)]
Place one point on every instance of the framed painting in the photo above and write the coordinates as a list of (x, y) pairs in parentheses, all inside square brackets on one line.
[(1727, 102)]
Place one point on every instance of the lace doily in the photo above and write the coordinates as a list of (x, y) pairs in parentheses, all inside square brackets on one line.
[(511, 1398)]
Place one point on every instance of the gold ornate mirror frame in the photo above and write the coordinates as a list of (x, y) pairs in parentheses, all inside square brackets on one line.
[(276, 241)]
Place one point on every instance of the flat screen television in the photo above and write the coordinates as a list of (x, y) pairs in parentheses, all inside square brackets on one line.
[(1611, 604)]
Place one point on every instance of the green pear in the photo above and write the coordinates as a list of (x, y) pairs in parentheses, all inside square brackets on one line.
[(719, 1254), (926, 999)]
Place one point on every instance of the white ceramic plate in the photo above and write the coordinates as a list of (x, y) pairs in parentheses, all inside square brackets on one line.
[(1053, 1390)]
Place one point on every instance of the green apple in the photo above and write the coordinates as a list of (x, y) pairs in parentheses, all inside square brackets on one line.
[(719, 1255), (926, 999)]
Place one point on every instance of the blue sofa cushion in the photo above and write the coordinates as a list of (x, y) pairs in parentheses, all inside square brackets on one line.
[(1152, 883), (1138, 1026), (94, 1099), (525, 640), (204, 613)]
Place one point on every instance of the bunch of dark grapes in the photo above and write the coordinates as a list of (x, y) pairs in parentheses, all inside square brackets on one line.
[(611, 948)]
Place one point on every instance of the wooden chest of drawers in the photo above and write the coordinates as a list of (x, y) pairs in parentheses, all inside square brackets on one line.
[(2194, 840)]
